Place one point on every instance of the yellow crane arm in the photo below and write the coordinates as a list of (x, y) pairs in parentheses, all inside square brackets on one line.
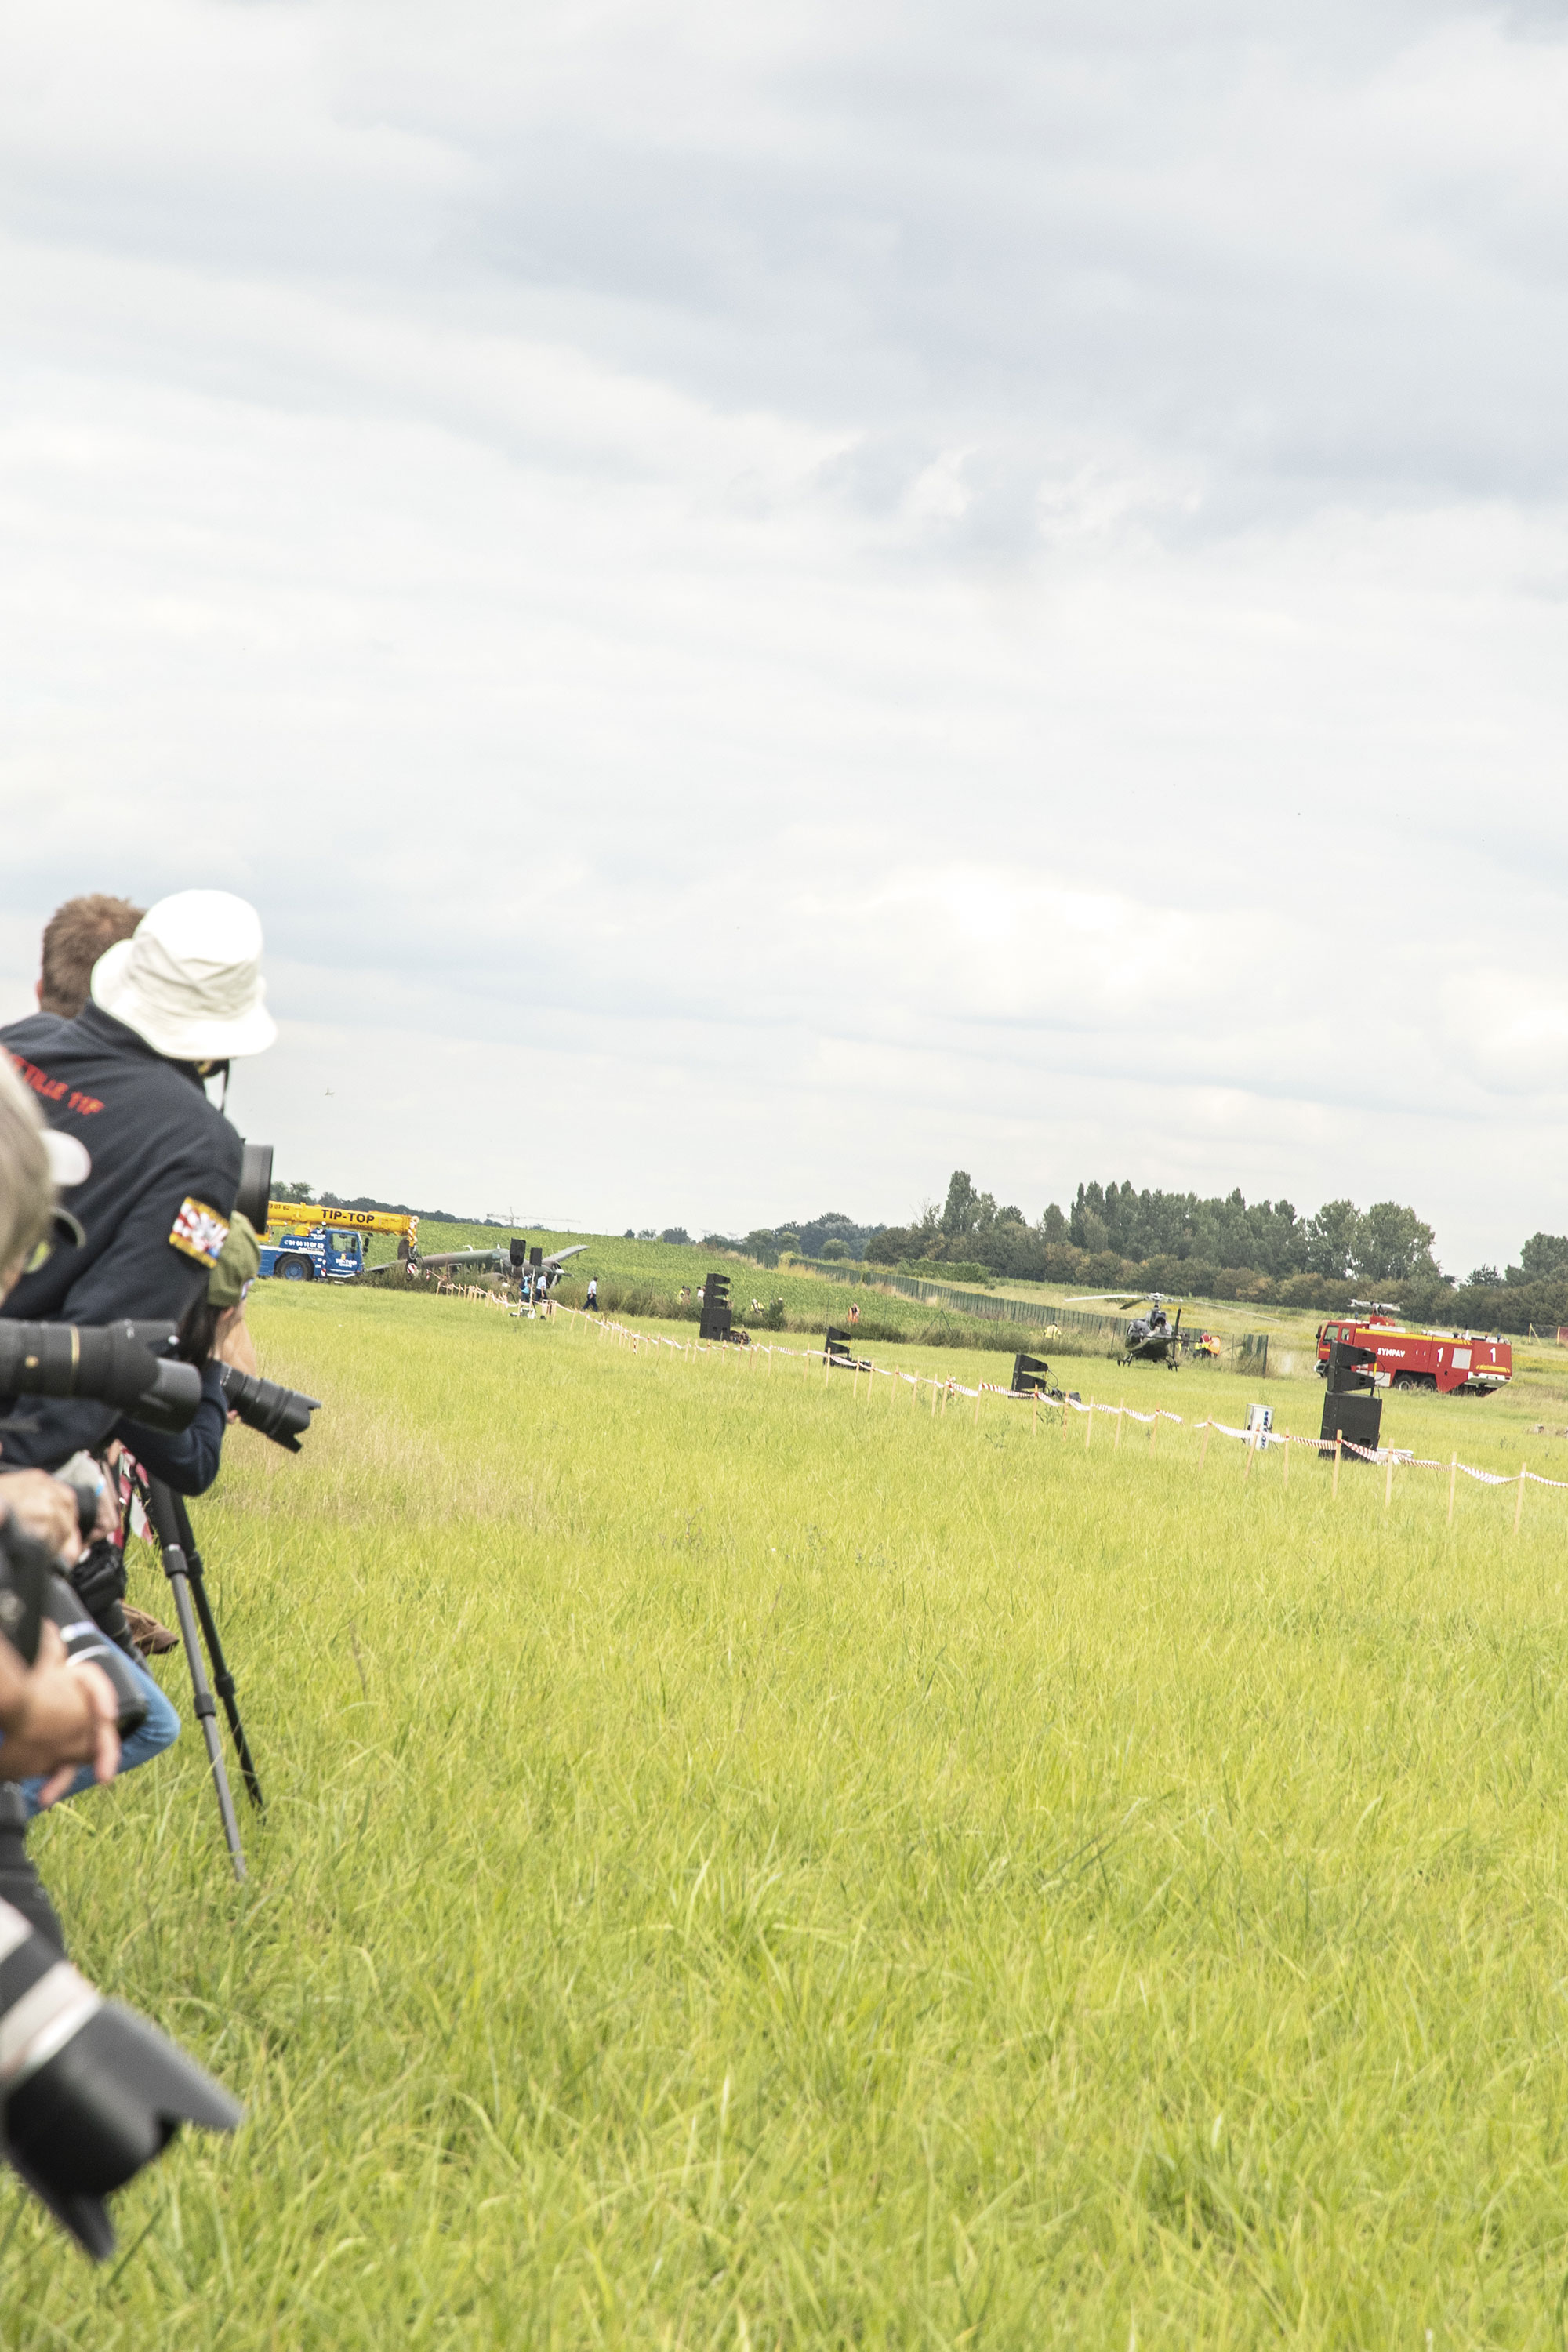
[(361, 1220)]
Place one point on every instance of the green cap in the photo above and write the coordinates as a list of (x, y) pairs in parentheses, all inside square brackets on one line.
[(238, 1264)]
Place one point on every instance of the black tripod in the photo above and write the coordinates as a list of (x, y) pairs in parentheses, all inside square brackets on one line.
[(171, 1524)]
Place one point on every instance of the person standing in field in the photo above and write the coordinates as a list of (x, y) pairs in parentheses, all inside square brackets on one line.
[(592, 1300)]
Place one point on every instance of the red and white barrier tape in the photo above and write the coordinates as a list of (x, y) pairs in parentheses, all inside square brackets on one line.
[(1261, 1439)]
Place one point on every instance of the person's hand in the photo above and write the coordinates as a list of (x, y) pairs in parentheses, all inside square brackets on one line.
[(43, 1508), (62, 1716), (232, 1343), (107, 1521)]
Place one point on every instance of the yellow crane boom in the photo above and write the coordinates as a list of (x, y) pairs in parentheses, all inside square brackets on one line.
[(281, 1213)]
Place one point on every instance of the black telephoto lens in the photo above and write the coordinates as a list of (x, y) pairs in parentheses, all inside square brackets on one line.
[(282, 1414), (117, 1363), (255, 1192), (91, 2091)]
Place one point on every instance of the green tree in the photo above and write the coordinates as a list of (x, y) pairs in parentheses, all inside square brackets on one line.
[(1543, 1256), (1332, 1239), (1392, 1244), (958, 1214)]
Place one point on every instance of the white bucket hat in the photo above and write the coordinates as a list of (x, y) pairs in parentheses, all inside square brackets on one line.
[(189, 979)]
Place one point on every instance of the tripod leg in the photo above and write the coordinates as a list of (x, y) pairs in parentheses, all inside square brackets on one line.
[(223, 1681), (164, 1525)]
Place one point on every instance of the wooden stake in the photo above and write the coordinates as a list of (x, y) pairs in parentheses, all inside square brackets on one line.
[(933, 1399), (1153, 1428), (976, 1405), (1251, 1449), (1089, 1426), (1453, 1482), (1338, 1447), (1519, 1506), (1203, 1448), (1287, 1457), (1035, 1415), (855, 1383), (1116, 1441), (1388, 1478)]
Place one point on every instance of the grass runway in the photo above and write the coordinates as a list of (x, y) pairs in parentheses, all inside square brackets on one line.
[(747, 1866)]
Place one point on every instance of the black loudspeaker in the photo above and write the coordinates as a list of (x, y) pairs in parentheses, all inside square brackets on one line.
[(1029, 1374), (536, 1255), (1359, 1419), (837, 1346), (518, 1251), (716, 1318), (1349, 1367)]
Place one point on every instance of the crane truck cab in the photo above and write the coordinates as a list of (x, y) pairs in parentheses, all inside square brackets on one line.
[(307, 1242)]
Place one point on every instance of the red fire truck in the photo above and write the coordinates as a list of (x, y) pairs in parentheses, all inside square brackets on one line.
[(1455, 1364)]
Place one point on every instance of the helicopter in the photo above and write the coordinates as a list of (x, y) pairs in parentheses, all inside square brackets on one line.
[(1152, 1338)]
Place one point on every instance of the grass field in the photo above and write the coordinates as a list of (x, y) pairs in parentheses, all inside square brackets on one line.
[(750, 1866), (645, 1276)]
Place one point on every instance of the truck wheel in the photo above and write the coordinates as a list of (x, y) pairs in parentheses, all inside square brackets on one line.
[(296, 1269), (1406, 1380)]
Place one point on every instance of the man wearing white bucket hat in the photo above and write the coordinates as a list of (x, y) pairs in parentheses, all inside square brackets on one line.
[(180, 999)]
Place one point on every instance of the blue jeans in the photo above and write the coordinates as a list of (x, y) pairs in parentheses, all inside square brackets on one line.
[(161, 1731)]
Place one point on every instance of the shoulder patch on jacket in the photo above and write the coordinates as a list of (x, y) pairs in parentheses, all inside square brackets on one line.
[(199, 1233)]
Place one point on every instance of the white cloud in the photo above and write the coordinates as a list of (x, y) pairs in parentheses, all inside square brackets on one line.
[(767, 603)]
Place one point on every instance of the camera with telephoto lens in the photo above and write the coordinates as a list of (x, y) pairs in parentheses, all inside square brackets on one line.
[(282, 1414), (92, 2091), (89, 2091)]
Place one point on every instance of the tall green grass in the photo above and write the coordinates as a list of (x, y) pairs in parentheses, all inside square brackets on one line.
[(749, 1866)]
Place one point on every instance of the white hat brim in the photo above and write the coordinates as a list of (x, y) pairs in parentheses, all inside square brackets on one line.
[(70, 1162), (205, 1037)]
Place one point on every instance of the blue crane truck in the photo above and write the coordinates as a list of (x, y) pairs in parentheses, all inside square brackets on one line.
[(305, 1243)]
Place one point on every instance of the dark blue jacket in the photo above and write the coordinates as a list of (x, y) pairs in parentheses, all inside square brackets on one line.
[(190, 1461), (156, 1143)]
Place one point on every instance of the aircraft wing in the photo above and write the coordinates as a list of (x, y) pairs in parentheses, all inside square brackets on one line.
[(559, 1257)]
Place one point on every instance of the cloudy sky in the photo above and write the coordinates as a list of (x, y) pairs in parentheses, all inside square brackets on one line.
[(770, 601)]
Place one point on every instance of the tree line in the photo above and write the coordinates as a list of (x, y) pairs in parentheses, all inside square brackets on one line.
[(1115, 1236)]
